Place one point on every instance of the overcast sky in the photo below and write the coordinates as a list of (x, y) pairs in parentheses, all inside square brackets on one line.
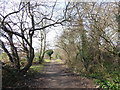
[(9, 6), (54, 31)]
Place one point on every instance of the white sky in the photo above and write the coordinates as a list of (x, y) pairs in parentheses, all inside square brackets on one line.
[(73, 0), (52, 36), (54, 31)]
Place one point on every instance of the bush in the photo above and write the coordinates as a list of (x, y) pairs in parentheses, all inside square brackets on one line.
[(4, 57), (11, 77), (107, 84)]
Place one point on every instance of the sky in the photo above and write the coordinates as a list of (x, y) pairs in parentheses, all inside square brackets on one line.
[(52, 34), (74, 0), (55, 31)]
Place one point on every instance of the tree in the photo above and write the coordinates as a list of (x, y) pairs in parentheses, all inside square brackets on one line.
[(49, 53), (43, 35), (21, 24), (90, 34)]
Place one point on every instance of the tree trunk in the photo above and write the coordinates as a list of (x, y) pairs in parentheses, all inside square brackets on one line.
[(14, 52), (50, 57), (29, 64), (6, 51)]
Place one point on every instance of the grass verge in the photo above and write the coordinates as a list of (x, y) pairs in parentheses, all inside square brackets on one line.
[(58, 60), (47, 60)]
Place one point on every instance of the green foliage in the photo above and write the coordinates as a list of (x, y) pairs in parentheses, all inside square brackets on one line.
[(36, 59), (57, 56), (49, 52), (107, 84), (107, 79), (23, 61), (4, 57), (0, 57), (84, 55)]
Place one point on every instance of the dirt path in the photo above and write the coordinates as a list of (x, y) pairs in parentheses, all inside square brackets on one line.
[(55, 76)]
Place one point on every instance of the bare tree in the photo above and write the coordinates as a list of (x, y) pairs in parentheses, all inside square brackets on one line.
[(22, 24), (95, 27)]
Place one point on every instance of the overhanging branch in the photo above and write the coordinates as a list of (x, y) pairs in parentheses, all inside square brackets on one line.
[(50, 25)]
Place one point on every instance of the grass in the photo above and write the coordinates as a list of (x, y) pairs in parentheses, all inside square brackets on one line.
[(47, 60), (58, 60), (37, 68)]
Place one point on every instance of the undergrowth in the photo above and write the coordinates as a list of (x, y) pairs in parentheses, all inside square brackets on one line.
[(108, 79), (11, 77)]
